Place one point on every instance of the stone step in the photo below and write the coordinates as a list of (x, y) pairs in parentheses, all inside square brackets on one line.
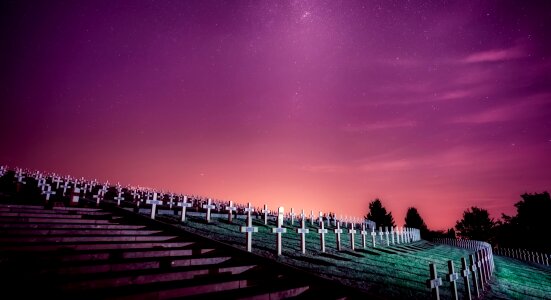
[(40, 215), (248, 285), (152, 278), (38, 207), (83, 239), (51, 220), (186, 291), (282, 293), (149, 253), (77, 231), (52, 211), (69, 226), (77, 208), (139, 265), (86, 247)]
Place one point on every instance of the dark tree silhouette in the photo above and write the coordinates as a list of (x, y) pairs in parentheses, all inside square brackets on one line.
[(414, 220), (377, 213), (528, 228), (475, 225)]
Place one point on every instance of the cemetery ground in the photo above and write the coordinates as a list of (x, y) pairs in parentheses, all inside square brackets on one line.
[(397, 271)]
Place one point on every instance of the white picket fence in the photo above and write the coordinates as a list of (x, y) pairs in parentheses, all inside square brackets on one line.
[(524, 255)]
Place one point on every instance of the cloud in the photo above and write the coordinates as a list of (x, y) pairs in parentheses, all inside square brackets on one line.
[(527, 107), (378, 125), (494, 55)]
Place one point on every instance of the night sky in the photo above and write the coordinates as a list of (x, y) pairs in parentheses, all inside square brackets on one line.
[(320, 105)]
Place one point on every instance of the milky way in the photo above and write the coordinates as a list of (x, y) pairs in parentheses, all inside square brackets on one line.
[(314, 105)]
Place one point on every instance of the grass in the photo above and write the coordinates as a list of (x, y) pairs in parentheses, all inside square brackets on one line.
[(397, 271)]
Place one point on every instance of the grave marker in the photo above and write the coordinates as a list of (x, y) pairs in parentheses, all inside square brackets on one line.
[(48, 192), (170, 200), (230, 208), (279, 230), (387, 239), (208, 207), (322, 231), (373, 236), (57, 181), (249, 229), (465, 275), (75, 195), (303, 231), (474, 275), (381, 234), (392, 234), (119, 198), (265, 211), (364, 234), (184, 204), (154, 202), (98, 197), (452, 278), (434, 282), (292, 216), (352, 231), (338, 232), (312, 218)]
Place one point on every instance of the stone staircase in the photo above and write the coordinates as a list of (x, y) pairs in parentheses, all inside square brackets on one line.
[(93, 253)]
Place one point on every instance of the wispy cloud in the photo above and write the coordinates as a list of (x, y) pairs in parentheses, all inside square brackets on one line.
[(526, 108), (494, 55), (378, 125)]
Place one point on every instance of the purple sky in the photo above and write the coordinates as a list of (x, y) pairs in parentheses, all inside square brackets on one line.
[(306, 104)]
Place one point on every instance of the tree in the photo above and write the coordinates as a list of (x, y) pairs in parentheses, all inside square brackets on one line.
[(377, 213), (475, 225), (414, 220), (529, 226)]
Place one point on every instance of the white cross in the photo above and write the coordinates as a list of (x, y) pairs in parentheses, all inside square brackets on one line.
[(154, 202), (57, 180), (249, 229), (381, 233), (392, 233), (48, 192), (434, 282), (352, 231), (98, 197), (171, 200), (322, 231), (279, 230), (65, 186), (208, 207), (75, 195), (292, 216), (303, 231), (320, 218), (184, 204), (363, 233), (230, 208), (373, 235), (265, 211), (42, 183), (20, 178), (452, 277), (119, 198), (386, 233), (338, 232), (312, 217), (302, 215)]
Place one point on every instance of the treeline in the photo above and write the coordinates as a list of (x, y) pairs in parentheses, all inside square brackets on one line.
[(528, 229)]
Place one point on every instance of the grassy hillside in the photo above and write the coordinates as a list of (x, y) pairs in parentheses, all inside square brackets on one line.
[(398, 271)]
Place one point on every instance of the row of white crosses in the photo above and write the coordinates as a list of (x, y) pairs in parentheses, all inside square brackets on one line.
[(523, 254), (481, 269)]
